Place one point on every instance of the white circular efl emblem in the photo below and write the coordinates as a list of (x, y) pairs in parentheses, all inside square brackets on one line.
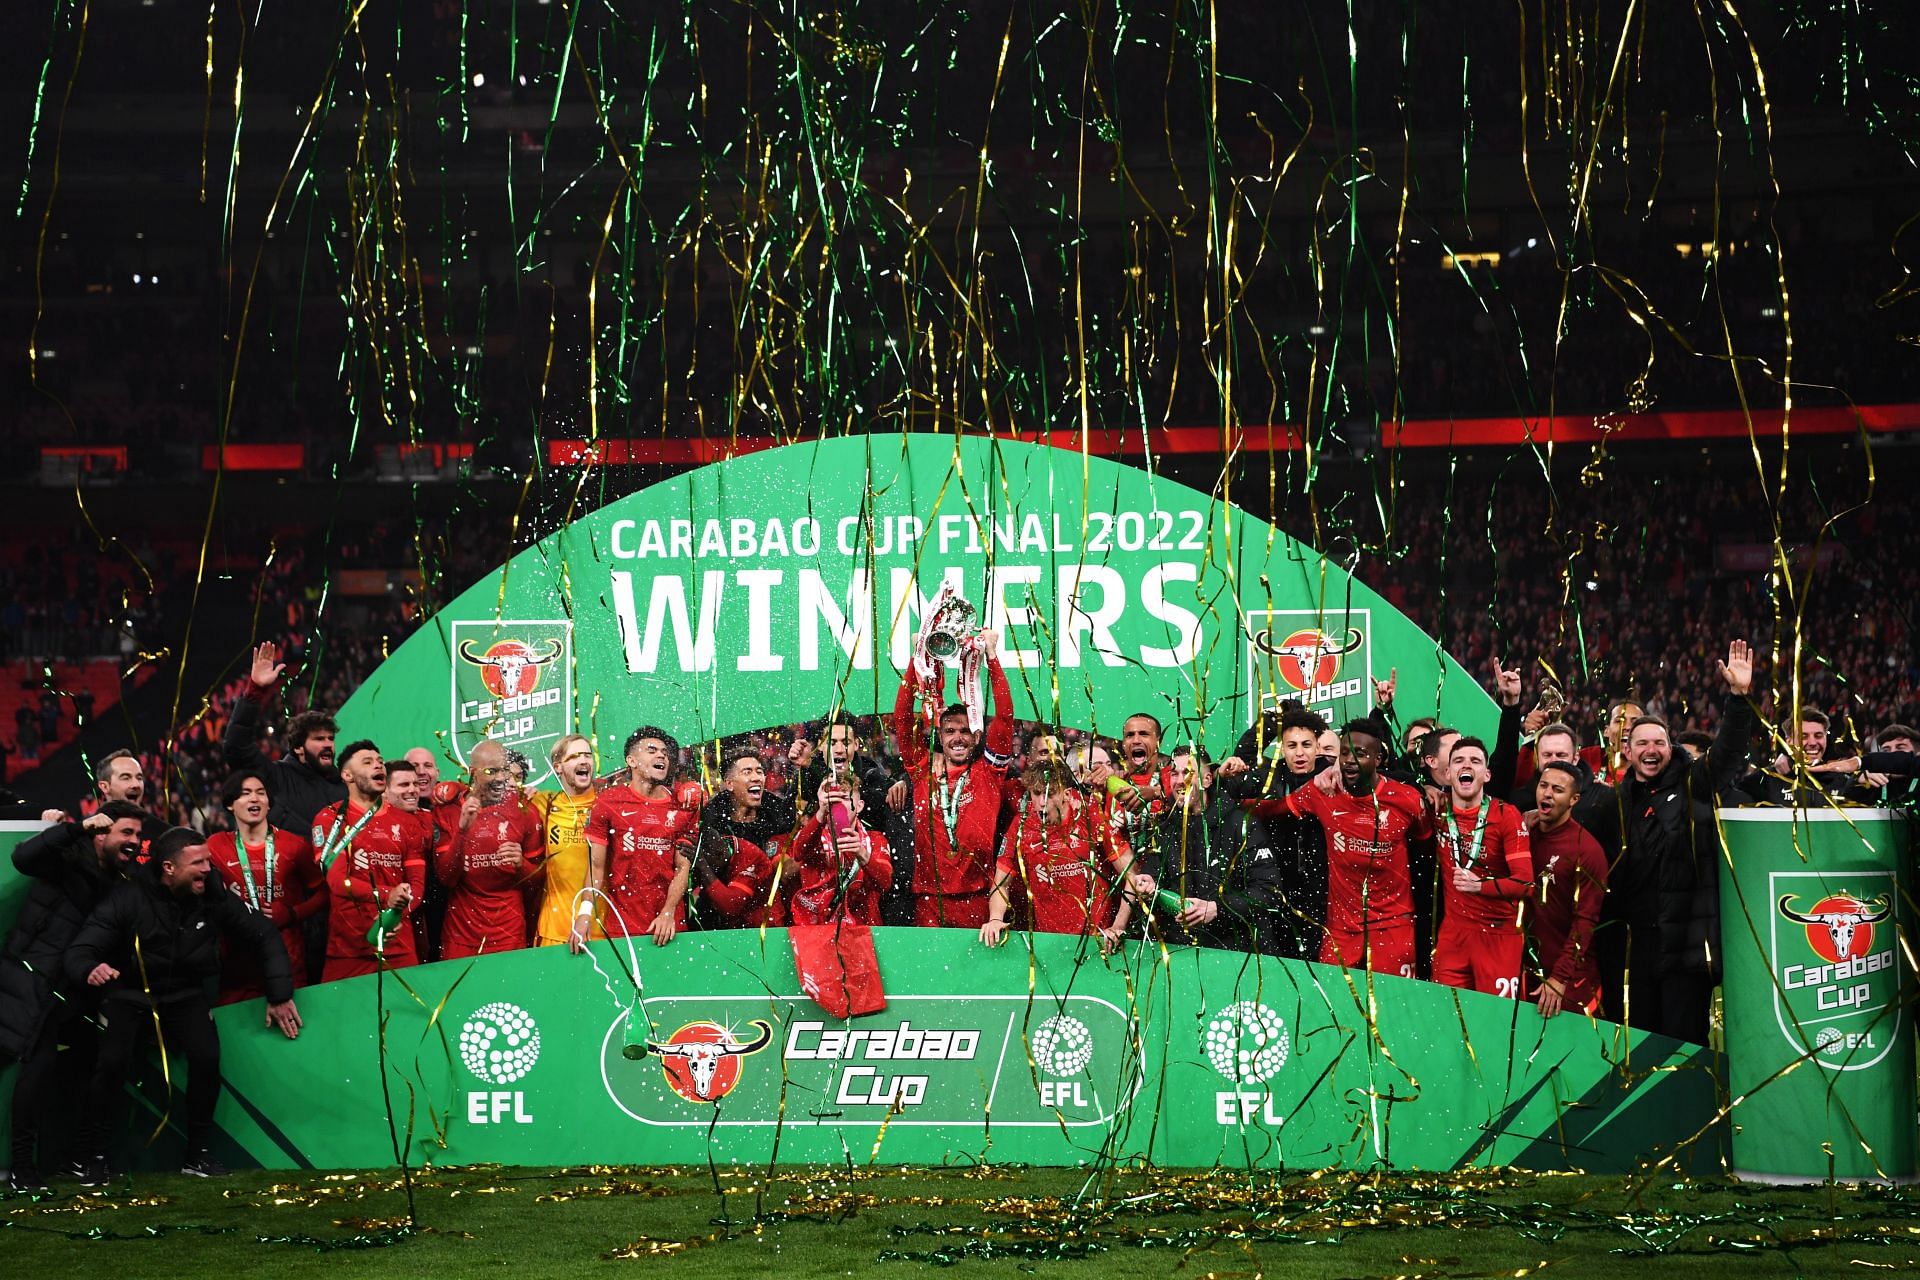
[(499, 1042), (1062, 1046), (1247, 1042)]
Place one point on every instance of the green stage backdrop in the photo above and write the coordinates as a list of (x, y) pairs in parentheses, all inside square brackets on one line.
[(766, 589), (1048, 1054)]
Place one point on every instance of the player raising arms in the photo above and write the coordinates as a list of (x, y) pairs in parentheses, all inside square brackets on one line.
[(635, 849), (1486, 872), (956, 791)]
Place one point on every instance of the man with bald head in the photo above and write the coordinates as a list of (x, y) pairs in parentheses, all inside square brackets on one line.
[(426, 767), (489, 853)]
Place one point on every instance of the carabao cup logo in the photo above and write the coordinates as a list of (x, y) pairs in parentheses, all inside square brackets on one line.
[(513, 682), (1839, 926), (499, 1042), (510, 668), (1308, 658), (702, 1060)]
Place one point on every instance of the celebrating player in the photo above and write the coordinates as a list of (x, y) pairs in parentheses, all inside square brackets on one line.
[(274, 872), (635, 850), (1486, 874), (956, 793), (1368, 821), (374, 858), (563, 816), (488, 858), (1066, 854)]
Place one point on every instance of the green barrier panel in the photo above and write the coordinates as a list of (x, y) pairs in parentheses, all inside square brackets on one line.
[(1814, 922), (1049, 1055)]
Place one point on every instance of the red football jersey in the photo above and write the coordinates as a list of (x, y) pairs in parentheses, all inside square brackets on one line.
[(1565, 908), (486, 899), (1504, 863), (640, 836), (1368, 883), (833, 887), (392, 847), (295, 891), (958, 860), (1065, 868), (738, 895)]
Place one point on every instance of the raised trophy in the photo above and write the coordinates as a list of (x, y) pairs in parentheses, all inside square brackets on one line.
[(947, 633)]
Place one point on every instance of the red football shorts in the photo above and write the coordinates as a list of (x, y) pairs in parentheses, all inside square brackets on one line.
[(952, 911), (1383, 949), (1475, 958)]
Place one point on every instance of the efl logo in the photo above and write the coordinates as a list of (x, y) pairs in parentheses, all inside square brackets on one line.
[(512, 682), (1840, 926), (1296, 656), (1248, 1044), (702, 1059), (499, 1043)]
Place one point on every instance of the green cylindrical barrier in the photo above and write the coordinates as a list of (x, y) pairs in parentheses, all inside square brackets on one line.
[(1820, 1058)]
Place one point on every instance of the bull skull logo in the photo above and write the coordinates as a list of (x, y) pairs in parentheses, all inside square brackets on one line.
[(702, 1059), (1307, 657), (1840, 926), (510, 668)]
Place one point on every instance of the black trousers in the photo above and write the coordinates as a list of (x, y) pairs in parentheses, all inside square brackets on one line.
[(1643, 987), (192, 1042), (49, 1091)]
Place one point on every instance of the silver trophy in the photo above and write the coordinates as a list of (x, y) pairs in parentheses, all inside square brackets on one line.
[(947, 633), (949, 624)]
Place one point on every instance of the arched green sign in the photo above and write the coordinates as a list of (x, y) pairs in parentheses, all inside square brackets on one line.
[(766, 589)]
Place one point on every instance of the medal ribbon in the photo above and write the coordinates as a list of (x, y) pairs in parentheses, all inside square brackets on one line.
[(1479, 834), (253, 894)]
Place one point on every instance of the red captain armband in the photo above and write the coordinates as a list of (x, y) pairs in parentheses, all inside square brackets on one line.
[(689, 796), (447, 793)]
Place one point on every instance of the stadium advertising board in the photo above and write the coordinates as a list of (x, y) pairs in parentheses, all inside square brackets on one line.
[(1194, 1058)]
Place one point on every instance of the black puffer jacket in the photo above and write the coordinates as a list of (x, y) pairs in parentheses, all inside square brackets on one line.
[(300, 790), (179, 940), (68, 883), (1668, 871)]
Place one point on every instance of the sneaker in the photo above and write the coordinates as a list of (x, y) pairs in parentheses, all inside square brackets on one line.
[(203, 1167), (94, 1172), (26, 1182)]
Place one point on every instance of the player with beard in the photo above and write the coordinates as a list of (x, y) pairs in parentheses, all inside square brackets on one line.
[(563, 817), (1565, 907), (152, 948), (1487, 874), (732, 869), (841, 866), (956, 792), (274, 872), (1067, 856), (46, 1022), (308, 779), (488, 859), (1658, 942), (1369, 821), (375, 860), (637, 850), (1145, 768)]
